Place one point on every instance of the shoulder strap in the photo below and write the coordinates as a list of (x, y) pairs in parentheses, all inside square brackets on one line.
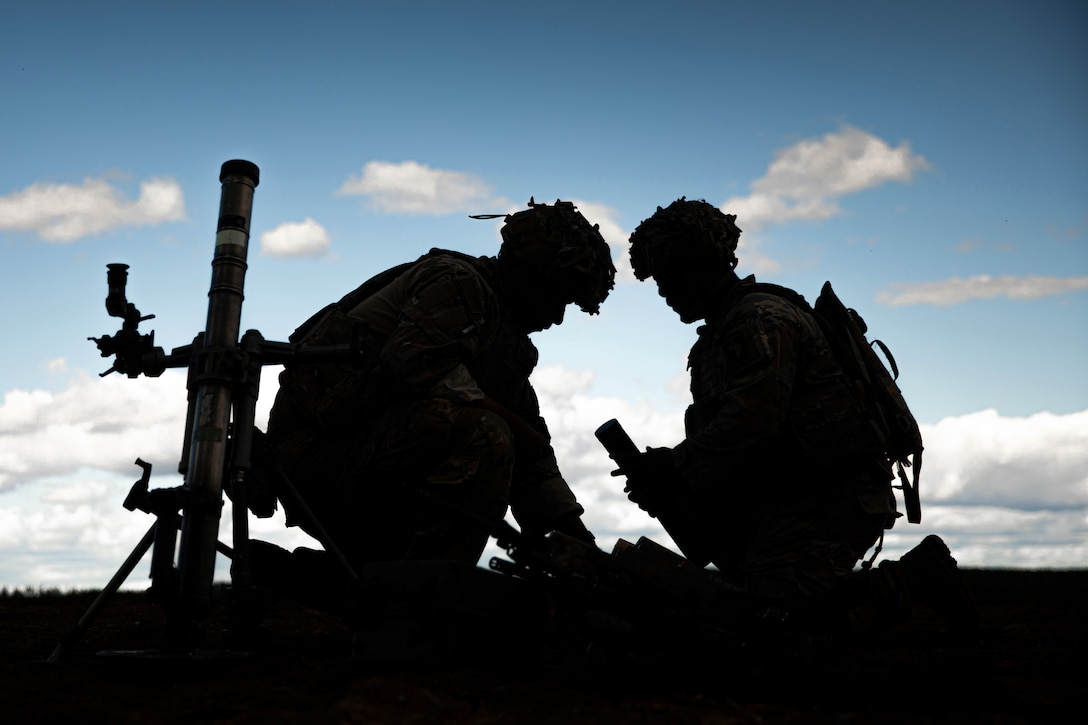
[(747, 288)]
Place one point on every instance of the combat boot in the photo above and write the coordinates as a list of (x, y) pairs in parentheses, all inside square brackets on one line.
[(934, 581), (309, 577), (270, 567), (318, 582)]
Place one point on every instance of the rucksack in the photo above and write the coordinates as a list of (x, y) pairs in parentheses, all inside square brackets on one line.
[(878, 392), (845, 330)]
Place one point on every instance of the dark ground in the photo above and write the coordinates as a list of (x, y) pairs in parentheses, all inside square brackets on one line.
[(1031, 670)]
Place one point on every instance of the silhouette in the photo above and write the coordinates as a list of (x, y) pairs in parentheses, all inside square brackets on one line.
[(415, 451), (784, 478)]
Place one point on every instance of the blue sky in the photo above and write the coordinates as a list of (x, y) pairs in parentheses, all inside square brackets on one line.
[(928, 158)]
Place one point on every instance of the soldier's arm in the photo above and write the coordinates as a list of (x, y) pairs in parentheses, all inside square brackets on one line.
[(541, 500), (440, 316), (752, 373)]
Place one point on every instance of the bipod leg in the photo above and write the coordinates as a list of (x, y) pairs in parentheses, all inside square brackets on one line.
[(60, 654), (181, 621), (247, 603)]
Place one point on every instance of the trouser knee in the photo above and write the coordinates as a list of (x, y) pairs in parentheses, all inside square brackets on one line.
[(467, 492)]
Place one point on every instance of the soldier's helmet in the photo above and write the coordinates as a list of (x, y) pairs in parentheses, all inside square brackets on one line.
[(682, 233), (559, 245)]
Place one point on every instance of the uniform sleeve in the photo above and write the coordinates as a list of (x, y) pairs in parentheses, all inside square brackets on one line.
[(743, 375), (538, 492), (541, 498), (444, 316)]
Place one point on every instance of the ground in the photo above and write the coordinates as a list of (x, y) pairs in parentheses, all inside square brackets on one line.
[(1030, 669)]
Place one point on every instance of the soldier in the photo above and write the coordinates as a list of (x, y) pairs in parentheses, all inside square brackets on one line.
[(439, 410), (780, 468)]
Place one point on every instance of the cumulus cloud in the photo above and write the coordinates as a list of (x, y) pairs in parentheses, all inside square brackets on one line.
[(296, 239), (1029, 464), (573, 414), (945, 293), (752, 260), (66, 212), (604, 217), (1002, 491), (806, 180), (409, 187), (1005, 491), (100, 424), (67, 461), (96, 423), (75, 534), (995, 536)]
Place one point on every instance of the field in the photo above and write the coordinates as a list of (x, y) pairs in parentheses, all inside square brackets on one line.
[(1030, 669)]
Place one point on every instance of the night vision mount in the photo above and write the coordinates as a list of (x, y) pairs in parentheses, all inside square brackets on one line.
[(134, 354)]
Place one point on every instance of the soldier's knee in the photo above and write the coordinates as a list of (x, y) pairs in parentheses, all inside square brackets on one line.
[(478, 455)]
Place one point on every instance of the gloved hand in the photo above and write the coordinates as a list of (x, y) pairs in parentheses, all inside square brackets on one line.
[(650, 478), (571, 524)]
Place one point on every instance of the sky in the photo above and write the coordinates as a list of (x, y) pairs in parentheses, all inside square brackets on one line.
[(930, 159)]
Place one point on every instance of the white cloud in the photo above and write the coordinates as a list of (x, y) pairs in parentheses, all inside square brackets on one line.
[(96, 423), (1033, 463), (296, 239), (573, 414), (753, 261), (409, 187), (946, 293), (806, 180), (67, 461), (1005, 492), (604, 217), (992, 536), (75, 533), (562, 385), (66, 212), (1002, 491)]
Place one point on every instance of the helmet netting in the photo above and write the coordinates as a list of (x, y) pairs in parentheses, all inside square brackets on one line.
[(684, 230), (560, 245)]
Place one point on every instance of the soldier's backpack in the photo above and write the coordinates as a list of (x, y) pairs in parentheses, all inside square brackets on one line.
[(877, 390), (845, 329)]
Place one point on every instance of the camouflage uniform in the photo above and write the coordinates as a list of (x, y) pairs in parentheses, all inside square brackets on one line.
[(436, 339), (782, 481), (775, 444)]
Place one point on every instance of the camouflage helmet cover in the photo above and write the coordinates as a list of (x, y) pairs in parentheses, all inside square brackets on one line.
[(559, 244), (684, 230)]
